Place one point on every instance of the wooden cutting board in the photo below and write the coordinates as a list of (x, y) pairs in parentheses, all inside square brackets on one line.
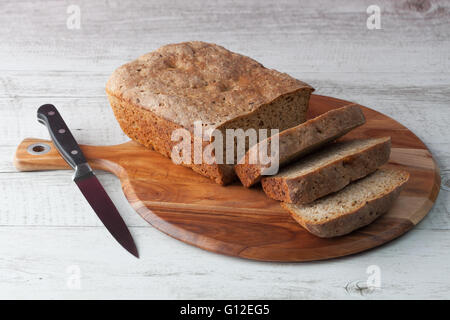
[(242, 222)]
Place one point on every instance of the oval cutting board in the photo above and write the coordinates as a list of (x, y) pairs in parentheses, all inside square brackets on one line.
[(242, 222)]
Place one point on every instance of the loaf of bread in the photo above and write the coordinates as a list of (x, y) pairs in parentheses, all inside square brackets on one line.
[(179, 84), (328, 170), (301, 140), (355, 206)]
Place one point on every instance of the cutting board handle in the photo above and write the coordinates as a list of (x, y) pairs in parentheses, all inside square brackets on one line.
[(37, 154)]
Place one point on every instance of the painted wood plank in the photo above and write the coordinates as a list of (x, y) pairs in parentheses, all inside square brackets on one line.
[(311, 35), (51, 198), (118, 19), (171, 269), (281, 53)]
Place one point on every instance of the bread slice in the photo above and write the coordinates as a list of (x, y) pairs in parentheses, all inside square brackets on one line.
[(328, 170), (300, 140), (355, 206), (178, 84)]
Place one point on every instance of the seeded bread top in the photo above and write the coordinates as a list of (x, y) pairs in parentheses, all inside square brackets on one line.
[(194, 81)]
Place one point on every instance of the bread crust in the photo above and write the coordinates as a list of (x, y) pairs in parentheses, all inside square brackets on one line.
[(155, 133), (354, 219), (303, 139), (330, 178)]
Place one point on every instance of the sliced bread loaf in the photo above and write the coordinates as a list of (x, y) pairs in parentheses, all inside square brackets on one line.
[(355, 206), (328, 170), (300, 140), (180, 84)]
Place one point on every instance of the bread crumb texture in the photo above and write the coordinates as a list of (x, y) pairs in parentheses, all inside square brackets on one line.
[(355, 206), (340, 151), (328, 170), (302, 139)]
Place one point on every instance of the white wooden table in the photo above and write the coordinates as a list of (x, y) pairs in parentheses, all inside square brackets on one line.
[(53, 246)]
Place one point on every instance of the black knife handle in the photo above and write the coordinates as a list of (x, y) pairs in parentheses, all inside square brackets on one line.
[(63, 139)]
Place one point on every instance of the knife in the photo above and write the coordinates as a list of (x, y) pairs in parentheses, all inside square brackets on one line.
[(84, 177)]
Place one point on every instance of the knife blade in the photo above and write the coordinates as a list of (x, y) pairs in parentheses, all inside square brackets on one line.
[(85, 178)]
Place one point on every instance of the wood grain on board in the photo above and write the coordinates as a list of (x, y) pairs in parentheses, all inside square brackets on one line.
[(242, 222)]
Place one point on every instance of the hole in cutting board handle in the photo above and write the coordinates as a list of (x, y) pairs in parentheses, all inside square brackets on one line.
[(38, 148)]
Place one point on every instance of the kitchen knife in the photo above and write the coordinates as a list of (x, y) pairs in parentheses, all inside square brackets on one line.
[(84, 177)]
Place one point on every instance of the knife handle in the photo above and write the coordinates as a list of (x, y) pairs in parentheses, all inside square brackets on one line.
[(63, 139)]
